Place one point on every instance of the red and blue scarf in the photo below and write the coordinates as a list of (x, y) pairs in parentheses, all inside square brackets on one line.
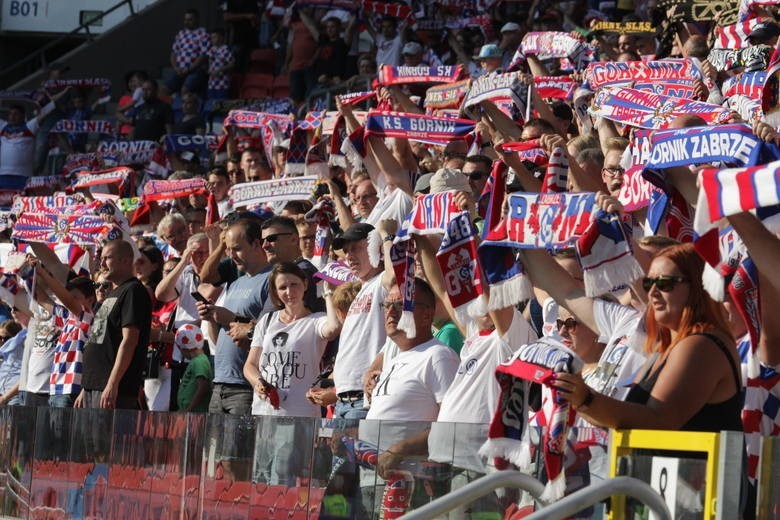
[(403, 75), (417, 127), (647, 110), (508, 438)]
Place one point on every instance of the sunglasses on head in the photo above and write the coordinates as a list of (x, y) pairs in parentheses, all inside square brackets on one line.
[(569, 323), (662, 283)]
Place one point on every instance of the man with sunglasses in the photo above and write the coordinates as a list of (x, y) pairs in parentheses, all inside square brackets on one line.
[(281, 243)]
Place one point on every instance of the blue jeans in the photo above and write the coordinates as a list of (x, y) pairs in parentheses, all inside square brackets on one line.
[(353, 410), (61, 401)]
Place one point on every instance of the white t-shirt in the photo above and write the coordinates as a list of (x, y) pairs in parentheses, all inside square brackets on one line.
[(186, 309), (362, 336), (42, 343), (388, 51), (473, 395), (621, 328), (17, 146), (290, 361), (409, 390)]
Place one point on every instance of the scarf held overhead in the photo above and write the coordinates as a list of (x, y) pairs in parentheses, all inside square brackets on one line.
[(554, 220), (416, 127), (402, 75), (647, 110), (251, 194)]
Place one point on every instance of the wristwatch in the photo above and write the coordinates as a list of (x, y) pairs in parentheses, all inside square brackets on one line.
[(389, 237), (250, 333)]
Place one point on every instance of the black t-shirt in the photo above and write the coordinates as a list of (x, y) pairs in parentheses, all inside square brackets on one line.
[(127, 305), (150, 120), (243, 32), (332, 59), (189, 126)]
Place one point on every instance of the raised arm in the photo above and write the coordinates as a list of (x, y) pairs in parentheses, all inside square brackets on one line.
[(333, 326), (59, 290)]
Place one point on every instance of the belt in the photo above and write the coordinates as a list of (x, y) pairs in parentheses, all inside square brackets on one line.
[(351, 397)]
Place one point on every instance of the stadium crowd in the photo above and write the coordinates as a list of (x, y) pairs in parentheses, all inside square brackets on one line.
[(452, 188)]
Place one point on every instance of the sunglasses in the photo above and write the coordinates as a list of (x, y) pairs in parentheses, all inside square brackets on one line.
[(662, 283), (475, 176), (569, 323), (101, 286), (399, 305), (273, 238), (614, 172)]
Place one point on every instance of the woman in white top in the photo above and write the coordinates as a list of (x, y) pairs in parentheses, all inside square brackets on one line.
[(287, 346)]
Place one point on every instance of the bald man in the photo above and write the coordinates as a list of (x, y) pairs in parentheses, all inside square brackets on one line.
[(115, 356)]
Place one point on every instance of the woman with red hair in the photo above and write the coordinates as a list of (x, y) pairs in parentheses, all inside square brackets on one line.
[(692, 378)]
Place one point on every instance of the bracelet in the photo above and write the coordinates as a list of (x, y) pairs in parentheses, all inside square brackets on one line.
[(389, 237), (587, 401)]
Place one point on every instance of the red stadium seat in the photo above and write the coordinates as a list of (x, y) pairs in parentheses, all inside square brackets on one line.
[(262, 60)]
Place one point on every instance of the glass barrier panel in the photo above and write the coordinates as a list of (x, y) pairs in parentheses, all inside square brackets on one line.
[(228, 454), (52, 492), (282, 467), (679, 476), (193, 441), (335, 486), (5, 449), (130, 464), (19, 472)]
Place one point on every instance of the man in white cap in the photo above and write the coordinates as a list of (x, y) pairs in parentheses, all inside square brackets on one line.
[(413, 55)]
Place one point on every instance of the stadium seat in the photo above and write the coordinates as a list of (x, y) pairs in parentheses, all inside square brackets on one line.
[(258, 80), (262, 60), (281, 87)]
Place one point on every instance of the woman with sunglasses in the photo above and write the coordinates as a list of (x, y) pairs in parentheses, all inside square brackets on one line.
[(692, 380)]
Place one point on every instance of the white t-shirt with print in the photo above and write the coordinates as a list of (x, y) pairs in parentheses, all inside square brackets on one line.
[(290, 361), (621, 329), (473, 395), (409, 391), (362, 336), (42, 343)]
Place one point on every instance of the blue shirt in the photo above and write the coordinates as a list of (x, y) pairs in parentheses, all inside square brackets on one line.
[(246, 297), (11, 351)]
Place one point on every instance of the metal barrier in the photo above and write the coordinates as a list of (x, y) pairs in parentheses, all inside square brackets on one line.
[(625, 486), (475, 490)]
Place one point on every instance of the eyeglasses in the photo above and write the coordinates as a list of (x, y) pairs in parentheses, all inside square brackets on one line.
[(614, 172), (569, 323), (399, 305), (662, 283), (101, 286), (273, 238)]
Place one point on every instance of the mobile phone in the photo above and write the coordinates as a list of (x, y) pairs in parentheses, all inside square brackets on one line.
[(199, 297)]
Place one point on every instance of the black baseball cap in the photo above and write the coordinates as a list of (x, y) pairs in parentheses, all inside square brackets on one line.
[(354, 233)]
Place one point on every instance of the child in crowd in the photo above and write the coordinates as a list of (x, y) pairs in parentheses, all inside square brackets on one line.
[(195, 386)]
